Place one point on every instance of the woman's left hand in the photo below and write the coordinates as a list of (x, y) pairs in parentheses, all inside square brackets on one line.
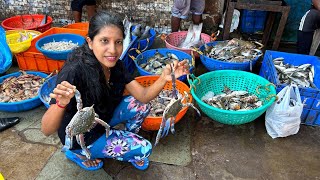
[(180, 68)]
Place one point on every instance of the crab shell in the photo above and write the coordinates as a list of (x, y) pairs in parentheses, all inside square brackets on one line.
[(173, 108), (83, 121)]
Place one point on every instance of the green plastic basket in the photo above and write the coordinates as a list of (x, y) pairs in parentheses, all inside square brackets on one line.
[(236, 80)]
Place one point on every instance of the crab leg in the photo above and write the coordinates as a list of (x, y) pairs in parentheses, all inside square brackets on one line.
[(79, 100), (190, 104), (106, 125), (174, 86), (160, 131), (166, 128), (80, 138)]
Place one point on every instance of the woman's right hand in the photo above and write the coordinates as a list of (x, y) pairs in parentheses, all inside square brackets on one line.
[(63, 93)]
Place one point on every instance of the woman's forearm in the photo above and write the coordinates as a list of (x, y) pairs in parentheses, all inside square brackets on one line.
[(152, 91), (51, 120)]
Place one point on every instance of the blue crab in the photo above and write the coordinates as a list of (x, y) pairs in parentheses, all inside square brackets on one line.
[(83, 121), (171, 111)]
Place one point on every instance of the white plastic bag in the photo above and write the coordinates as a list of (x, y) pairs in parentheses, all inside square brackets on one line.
[(193, 37), (234, 22), (283, 117)]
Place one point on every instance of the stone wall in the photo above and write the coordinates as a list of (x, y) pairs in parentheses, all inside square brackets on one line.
[(152, 12)]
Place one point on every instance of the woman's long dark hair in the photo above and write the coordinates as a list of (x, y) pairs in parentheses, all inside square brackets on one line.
[(88, 68)]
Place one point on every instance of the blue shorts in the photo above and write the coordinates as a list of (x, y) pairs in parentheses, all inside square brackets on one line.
[(182, 8), (77, 5)]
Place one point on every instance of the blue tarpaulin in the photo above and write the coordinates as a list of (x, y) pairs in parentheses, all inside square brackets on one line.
[(5, 53)]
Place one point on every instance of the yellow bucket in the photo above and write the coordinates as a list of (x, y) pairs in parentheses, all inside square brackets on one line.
[(32, 32), (16, 45)]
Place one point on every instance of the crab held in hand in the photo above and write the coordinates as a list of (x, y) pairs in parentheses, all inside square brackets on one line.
[(83, 121), (170, 112)]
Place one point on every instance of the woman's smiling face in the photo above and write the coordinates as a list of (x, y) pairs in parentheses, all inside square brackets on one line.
[(107, 45)]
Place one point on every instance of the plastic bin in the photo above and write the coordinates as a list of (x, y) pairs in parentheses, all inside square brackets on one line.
[(309, 96), (173, 40), (27, 21), (128, 62), (81, 26), (47, 88), (23, 105), (144, 44), (253, 21), (215, 81), (152, 123), (214, 64), (34, 60)]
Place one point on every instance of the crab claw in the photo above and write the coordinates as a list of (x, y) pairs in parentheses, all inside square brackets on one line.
[(160, 132), (166, 128)]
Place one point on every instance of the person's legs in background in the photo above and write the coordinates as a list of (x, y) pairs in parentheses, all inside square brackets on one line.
[(76, 7), (91, 8), (77, 16), (180, 10), (175, 23), (197, 8)]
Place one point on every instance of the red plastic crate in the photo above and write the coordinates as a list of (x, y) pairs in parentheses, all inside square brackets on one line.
[(34, 60)]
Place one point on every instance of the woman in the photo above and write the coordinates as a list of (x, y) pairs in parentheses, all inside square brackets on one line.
[(95, 71)]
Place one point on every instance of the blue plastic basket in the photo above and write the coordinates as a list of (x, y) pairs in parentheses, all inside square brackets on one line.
[(58, 55), (47, 88), (213, 64), (25, 104), (143, 57), (310, 96), (144, 44)]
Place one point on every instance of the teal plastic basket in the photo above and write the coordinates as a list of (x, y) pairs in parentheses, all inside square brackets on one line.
[(236, 80)]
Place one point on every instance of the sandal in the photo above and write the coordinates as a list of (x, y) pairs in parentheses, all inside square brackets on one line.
[(73, 157), (141, 167)]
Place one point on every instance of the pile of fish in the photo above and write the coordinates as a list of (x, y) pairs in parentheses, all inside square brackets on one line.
[(232, 100), (156, 63), (235, 50), (59, 46), (159, 103), (15, 89), (301, 75)]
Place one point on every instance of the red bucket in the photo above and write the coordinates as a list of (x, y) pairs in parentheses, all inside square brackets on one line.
[(28, 22), (174, 39)]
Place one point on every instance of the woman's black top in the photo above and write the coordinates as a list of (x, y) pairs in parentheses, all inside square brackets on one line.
[(104, 107)]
